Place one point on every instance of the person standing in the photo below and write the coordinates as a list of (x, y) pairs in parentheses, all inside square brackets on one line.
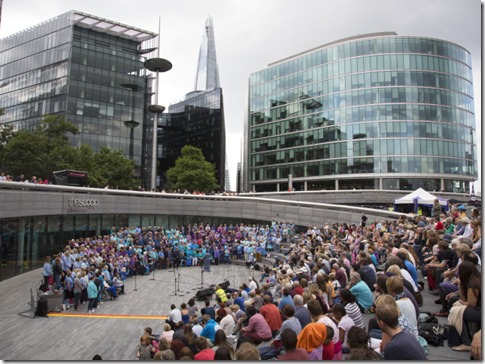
[(57, 271), (436, 212), (363, 220), (78, 289), (47, 273), (92, 294)]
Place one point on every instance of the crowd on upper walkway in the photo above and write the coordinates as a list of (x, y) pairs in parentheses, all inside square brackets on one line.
[(22, 178)]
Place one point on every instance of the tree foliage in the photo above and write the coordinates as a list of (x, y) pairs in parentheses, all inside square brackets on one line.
[(48, 148), (192, 172)]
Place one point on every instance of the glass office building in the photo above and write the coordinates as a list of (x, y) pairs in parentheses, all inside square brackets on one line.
[(198, 120), (88, 69), (374, 111)]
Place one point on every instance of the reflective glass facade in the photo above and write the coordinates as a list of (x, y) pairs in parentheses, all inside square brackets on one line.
[(86, 68), (375, 111), (207, 76), (196, 121)]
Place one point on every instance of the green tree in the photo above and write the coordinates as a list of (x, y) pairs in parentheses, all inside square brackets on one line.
[(111, 169), (48, 149), (6, 133), (42, 151), (192, 172)]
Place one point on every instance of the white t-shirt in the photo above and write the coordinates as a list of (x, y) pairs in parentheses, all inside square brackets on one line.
[(405, 274), (175, 315), (407, 310), (252, 285), (328, 321), (346, 323)]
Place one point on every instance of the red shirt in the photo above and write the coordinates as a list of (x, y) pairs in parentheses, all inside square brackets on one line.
[(328, 351), (206, 354), (297, 354), (272, 316)]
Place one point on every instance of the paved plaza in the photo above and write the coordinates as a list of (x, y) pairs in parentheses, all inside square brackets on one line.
[(116, 332)]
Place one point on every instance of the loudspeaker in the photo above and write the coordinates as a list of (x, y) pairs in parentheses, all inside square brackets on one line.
[(204, 293), (54, 301), (224, 285)]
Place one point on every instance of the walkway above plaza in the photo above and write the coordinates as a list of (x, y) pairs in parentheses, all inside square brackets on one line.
[(24, 199)]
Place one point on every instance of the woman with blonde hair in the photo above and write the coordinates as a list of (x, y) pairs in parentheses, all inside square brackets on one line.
[(394, 270), (395, 288), (318, 295), (167, 333)]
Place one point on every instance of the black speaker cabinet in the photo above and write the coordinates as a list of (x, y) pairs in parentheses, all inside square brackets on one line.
[(204, 293)]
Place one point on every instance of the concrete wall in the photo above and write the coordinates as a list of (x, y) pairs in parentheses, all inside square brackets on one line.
[(351, 197), (20, 200)]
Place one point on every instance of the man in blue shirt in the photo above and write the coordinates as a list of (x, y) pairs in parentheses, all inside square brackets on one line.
[(361, 291), (209, 330), (408, 265), (239, 300), (286, 299)]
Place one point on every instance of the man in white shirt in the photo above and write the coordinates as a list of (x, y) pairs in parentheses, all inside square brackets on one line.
[(466, 230), (252, 284), (174, 317)]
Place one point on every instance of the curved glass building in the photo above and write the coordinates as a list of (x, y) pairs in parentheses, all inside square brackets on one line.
[(375, 111)]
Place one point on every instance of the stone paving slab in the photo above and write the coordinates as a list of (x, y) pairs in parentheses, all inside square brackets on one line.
[(75, 338)]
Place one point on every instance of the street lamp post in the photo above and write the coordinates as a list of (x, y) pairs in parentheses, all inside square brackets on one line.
[(156, 65), (132, 123)]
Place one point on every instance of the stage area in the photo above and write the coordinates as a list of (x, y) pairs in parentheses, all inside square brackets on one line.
[(114, 330)]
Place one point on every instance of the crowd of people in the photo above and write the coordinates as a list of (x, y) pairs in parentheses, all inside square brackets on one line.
[(111, 259), (342, 292), (21, 178)]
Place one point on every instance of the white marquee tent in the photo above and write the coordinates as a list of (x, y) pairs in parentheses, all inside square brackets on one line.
[(420, 197)]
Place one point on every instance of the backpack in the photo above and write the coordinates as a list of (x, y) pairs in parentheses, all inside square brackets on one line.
[(433, 333), (427, 318)]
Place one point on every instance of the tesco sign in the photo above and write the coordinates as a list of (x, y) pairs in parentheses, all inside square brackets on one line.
[(82, 203)]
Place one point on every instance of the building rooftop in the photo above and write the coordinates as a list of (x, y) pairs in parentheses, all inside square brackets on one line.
[(354, 37), (96, 23), (111, 27)]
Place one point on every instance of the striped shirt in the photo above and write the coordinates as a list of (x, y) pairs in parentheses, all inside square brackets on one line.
[(354, 313)]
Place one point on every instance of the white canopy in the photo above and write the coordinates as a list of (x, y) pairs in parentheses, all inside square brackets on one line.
[(423, 197)]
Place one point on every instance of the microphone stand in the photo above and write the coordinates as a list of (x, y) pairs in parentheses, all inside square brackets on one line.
[(178, 280), (175, 287), (154, 267)]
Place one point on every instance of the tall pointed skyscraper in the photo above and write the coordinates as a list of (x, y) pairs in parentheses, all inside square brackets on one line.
[(207, 77), (199, 119)]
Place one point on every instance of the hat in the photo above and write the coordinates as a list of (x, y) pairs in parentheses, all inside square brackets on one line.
[(466, 220)]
